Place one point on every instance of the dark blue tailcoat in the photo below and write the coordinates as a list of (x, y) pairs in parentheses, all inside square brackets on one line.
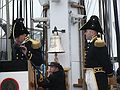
[(98, 57)]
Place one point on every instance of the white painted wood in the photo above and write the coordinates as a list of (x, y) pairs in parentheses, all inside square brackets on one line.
[(21, 78), (60, 17)]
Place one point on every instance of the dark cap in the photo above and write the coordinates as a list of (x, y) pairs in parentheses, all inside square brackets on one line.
[(56, 64), (18, 28), (93, 23)]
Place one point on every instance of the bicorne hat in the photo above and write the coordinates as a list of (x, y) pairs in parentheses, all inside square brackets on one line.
[(18, 28), (93, 23)]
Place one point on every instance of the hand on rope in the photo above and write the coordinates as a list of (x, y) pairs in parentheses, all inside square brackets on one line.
[(24, 49)]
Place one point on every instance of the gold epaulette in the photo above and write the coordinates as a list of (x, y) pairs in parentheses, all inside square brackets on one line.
[(35, 44), (99, 42)]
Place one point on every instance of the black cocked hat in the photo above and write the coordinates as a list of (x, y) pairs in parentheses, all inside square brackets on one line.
[(93, 23), (18, 28)]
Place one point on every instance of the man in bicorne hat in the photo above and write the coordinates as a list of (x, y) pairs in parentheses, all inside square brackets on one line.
[(24, 51), (97, 62)]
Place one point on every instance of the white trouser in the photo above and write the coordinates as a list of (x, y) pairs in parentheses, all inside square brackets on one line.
[(90, 79)]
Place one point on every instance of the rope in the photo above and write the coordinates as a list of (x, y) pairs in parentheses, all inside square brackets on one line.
[(5, 5), (13, 12), (17, 9), (20, 8), (117, 28), (26, 15), (14, 31)]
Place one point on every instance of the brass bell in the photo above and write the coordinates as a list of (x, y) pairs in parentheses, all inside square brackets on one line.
[(55, 44)]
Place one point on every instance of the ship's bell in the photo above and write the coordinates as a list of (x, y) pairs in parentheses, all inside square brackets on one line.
[(55, 44)]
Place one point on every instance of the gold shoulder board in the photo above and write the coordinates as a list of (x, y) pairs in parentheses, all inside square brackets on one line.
[(99, 43)]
